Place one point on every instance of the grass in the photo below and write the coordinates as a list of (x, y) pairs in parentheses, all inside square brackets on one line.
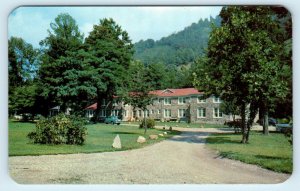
[(272, 152), (99, 139), (183, 124)]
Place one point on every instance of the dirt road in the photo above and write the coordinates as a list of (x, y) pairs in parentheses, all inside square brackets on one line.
[(184, 159)]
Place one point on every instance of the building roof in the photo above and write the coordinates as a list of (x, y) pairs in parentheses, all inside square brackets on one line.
[(92, 107), (164, 93), (176, 92)]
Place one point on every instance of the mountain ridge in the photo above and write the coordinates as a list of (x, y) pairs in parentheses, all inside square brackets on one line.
[(179, 48)]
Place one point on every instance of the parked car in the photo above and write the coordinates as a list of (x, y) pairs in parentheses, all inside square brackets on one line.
[(283, 127), (112, 120), (272, 121)]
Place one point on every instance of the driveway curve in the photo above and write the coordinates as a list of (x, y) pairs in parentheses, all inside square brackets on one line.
[(183, 159)]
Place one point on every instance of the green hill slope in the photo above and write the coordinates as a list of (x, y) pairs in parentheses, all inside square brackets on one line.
[(178, 48)]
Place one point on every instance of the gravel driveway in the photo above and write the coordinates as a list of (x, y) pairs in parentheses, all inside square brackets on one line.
[(179, 160)]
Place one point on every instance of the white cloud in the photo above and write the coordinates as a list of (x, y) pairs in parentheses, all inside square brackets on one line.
[(86, 28)]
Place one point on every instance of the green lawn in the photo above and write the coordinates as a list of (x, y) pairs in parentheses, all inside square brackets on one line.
[(183, 124), (272, 152), (99, 139)]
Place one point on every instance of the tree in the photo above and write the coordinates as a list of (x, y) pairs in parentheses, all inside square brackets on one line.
[(284, 108), (110, 51), (138, 88), (243, 61), (230, 108), (60, 64), (23, 99), (23, 63)]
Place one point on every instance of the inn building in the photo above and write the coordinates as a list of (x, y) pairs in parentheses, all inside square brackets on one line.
[(185, 104)]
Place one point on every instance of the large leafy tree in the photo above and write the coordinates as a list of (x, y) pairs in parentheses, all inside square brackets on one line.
[(157, 75), (284, 108), (61, 66), (137, 92), (23, 63), (24, 99), (244, 61), (110, 51)]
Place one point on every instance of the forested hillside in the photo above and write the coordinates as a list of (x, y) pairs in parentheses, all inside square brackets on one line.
[(179, 48)]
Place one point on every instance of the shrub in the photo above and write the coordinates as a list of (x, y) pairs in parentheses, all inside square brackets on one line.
[(288, 132), (237, 125), (150, 123), (60, 129)]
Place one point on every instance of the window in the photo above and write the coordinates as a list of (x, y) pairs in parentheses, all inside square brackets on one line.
[(102, 113), (167, 101), (90, 113), (167, 113), (158, 111), (140, 113), (146, 113), (201, 99), (217, 100), (201, 112), (181, 112), (125, 113), (181, 100), (134, 113), (217, 113)]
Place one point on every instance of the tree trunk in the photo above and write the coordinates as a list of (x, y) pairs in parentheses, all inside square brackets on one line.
[(144, 122), (261, 116), (253, 112), (266, 122), (248, 132), (244, 125), (97, 112)]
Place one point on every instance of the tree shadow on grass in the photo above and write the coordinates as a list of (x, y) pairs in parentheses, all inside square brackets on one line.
[(22, 121), (126, 133), (221, 140), (271, 157)]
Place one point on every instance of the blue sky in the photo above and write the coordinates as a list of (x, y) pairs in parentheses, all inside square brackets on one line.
[(32, 23)]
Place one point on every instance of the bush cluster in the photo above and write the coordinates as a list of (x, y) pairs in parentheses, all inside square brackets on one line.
[(59, 129), (237, 125), (150, 123)]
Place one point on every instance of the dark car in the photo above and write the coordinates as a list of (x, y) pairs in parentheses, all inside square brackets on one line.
[(272, 121), (112, 120)]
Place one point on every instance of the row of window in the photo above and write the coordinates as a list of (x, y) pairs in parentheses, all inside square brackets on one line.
[(181, 100), (201, 113), (184, 100)]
